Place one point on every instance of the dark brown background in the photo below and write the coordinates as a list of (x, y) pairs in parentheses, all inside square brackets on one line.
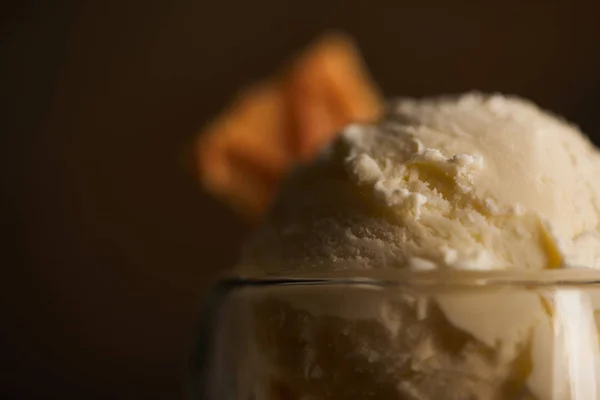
[(110, 241)]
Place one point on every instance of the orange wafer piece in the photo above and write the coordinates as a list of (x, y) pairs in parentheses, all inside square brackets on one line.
[(244, 152), (328, 88)]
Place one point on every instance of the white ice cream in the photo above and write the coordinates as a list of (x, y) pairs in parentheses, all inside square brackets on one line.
[(463, 183)]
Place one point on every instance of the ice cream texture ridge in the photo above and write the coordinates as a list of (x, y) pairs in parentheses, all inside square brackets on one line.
[(472, 182)]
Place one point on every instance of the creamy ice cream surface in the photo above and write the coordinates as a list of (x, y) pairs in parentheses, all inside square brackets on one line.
[(472, 182)]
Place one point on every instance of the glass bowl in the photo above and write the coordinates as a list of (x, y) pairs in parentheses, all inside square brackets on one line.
[(402, 335)]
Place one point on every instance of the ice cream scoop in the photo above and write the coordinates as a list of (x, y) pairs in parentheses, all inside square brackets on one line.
[(472, 182)]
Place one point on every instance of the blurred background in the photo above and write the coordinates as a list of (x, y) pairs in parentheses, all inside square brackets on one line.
[(111, 242)]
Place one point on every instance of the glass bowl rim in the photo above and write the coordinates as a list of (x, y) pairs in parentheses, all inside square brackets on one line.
[(389, 278)]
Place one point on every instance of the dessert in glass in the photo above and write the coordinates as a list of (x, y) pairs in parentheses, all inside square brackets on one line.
[(449, 250)]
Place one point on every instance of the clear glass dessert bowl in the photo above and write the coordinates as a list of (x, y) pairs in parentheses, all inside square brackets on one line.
[(439, 335)]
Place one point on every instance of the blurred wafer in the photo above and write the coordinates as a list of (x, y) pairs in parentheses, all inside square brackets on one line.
[(244, 152)]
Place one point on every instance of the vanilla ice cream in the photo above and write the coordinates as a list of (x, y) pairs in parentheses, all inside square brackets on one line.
[(459, 183), (473, 182)]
